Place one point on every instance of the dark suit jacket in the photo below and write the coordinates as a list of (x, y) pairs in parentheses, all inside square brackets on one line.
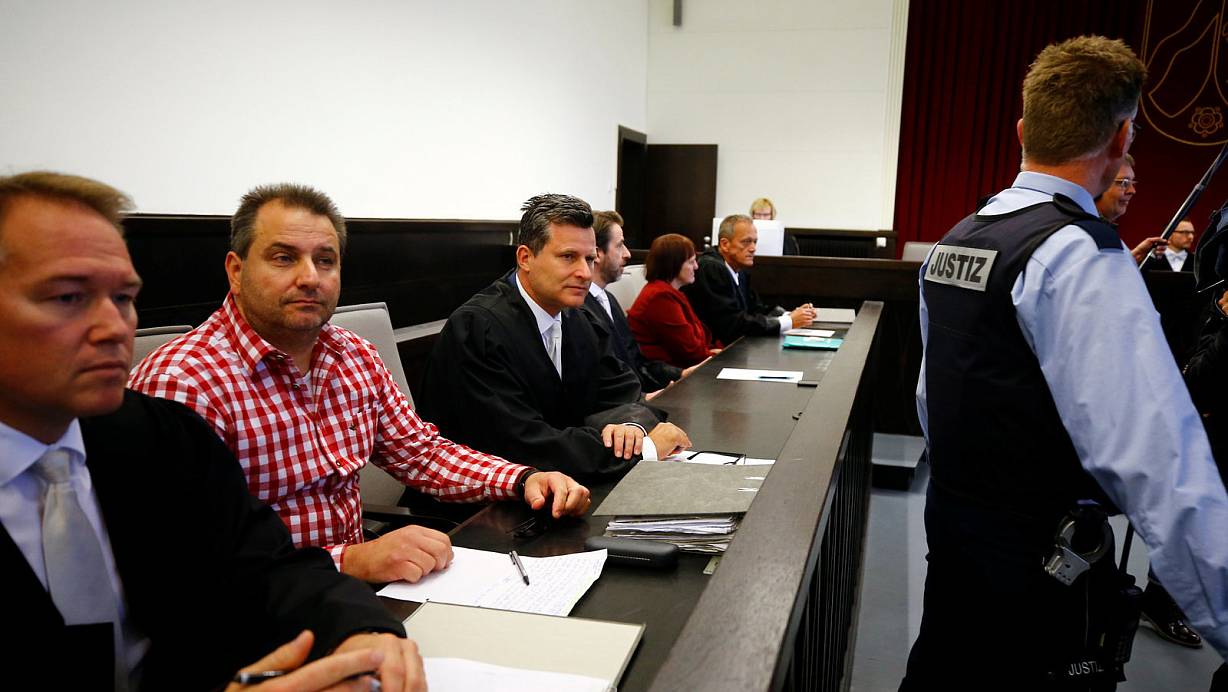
[(489, 384), (730, 310), (209, 572), (653, 374)]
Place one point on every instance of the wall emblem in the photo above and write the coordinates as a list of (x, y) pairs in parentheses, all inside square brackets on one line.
[(1186, 53)]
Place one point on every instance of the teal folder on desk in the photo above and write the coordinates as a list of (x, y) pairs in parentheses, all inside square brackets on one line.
[(817, 342)]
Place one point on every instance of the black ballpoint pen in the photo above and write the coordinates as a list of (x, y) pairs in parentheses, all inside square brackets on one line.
[(257, 677), (519, 567)]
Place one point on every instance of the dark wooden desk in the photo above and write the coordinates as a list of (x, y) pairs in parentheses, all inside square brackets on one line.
[(759, 419)]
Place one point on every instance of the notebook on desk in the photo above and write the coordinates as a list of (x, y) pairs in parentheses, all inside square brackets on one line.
[(834, 315), (557, 647)]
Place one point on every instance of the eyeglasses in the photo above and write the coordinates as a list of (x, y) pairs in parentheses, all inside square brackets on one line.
[(1126, 183)]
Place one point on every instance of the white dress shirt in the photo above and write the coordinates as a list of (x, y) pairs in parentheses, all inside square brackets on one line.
[(599, 293), (1176, 260), (544, 322)]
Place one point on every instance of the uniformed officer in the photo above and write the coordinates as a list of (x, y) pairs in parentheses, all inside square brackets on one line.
[(1048, 396)]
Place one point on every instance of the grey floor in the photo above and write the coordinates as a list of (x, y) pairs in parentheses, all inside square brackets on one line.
[(895, 576)]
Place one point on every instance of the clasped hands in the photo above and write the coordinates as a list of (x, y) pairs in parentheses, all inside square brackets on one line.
[(626, 441), (352, 667)]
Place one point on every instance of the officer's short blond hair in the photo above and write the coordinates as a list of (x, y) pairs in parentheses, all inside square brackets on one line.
[(1075, 96)]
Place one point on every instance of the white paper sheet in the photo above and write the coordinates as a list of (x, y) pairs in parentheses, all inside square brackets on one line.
[(463, 675), (805, 331), (490, 580), (789, 376), (717, 459)]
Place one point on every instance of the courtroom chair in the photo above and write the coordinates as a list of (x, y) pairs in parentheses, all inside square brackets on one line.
[(372, 322), (627, 289), (915, 251), (152, 337), (381, 493)]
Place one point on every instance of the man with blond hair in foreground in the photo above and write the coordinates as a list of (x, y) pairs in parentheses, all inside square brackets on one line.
[(134, 557)]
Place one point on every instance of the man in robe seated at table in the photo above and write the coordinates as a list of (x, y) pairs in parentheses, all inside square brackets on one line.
[(721, 295), (133, 555), (662, 319), (518, 370), (305, 404)]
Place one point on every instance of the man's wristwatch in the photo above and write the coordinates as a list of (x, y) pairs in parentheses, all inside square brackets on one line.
[(520, 482)]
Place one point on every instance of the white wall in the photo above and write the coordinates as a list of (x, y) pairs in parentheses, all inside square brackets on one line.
[(801, 96), (396, 108)]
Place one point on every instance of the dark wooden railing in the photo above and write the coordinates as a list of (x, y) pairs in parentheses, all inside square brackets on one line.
[(778, 612)]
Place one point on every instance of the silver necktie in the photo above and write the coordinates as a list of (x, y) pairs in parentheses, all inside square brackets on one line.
[(76, 571), (554, 340)]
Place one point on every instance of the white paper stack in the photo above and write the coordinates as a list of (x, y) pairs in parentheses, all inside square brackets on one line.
[(694, 534)]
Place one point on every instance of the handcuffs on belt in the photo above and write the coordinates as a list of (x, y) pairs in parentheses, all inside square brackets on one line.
[(1066, 563)]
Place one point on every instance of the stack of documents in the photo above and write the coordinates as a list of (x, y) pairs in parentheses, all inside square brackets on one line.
[(697, 534), (697, 507)]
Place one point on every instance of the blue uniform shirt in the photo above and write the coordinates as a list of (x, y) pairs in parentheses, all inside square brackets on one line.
[(1087, 316)]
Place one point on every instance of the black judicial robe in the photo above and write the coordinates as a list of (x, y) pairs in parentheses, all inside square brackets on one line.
[(490, 385), (730, 310), (653, 374), (210, 574)]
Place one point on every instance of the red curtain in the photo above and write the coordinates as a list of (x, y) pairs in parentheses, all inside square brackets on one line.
[(963, 75)]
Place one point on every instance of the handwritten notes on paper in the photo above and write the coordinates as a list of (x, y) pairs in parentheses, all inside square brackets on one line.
[(490, 580)]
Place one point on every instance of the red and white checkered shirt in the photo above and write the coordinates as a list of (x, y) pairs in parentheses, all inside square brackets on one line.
[(303, 439)]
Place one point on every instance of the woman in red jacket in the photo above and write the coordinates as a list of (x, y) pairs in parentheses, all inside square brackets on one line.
[(662, 320)]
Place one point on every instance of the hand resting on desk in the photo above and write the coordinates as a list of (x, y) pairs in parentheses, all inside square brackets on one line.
[(396, 659), (570, 498), (408, 554)]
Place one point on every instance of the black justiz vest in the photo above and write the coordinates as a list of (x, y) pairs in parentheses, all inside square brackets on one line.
[(994, 432)]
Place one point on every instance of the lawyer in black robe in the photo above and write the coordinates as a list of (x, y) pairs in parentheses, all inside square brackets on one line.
[(490, 385), (209, 573)]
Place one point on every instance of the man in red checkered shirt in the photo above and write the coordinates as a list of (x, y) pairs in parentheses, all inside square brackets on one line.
[(305, 405)]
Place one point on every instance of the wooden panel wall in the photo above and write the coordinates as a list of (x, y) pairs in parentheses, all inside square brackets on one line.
[(423, 270)]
